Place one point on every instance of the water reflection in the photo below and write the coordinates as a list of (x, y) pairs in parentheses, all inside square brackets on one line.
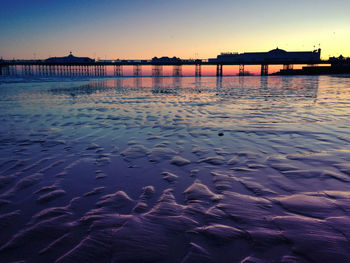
[(288, 88), (177, 81), (219, 84), (138, 82), (86, 89), (119, 82)]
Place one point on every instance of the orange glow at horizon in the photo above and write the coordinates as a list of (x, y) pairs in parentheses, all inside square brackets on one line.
[(206, 70)]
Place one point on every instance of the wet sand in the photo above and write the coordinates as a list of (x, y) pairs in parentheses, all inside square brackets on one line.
[(253, 169)]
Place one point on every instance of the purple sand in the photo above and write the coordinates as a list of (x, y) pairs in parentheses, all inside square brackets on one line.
[(133, 169)]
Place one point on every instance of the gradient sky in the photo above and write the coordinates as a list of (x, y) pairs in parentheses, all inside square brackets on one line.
[(184, 28)]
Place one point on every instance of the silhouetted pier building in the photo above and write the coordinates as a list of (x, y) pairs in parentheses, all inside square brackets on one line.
[(166, 60), (69, 59), (273, 57), (338, 65), (84, 66)]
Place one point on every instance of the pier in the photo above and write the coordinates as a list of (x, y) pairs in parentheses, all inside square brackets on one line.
[(71, 66)]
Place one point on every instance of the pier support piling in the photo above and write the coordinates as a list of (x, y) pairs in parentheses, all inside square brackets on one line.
[(11, 70), (241, 70), (157, 71), (198, 70), (219, 70), (5, 70), (118, 70), (264, 70), (177, 71), (137, 70), (287, 67)]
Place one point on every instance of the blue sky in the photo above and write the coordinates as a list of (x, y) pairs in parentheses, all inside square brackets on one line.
[(191, 28)]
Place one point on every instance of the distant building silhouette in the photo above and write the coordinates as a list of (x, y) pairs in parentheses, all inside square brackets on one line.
[(166, 60), (273, 56), (339, 60), (69, 59)]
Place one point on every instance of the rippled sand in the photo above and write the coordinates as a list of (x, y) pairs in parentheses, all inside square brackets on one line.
[(253, 169)]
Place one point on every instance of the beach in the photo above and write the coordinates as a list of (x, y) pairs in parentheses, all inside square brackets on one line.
[(175, 169)]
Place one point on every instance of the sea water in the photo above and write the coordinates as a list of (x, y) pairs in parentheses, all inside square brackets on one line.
[(232, 169)]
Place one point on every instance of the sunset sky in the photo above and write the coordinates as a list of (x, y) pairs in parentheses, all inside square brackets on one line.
[(184, 28)]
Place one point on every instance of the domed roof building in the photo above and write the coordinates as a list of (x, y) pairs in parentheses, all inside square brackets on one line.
[(277, 51), (69, 59)]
